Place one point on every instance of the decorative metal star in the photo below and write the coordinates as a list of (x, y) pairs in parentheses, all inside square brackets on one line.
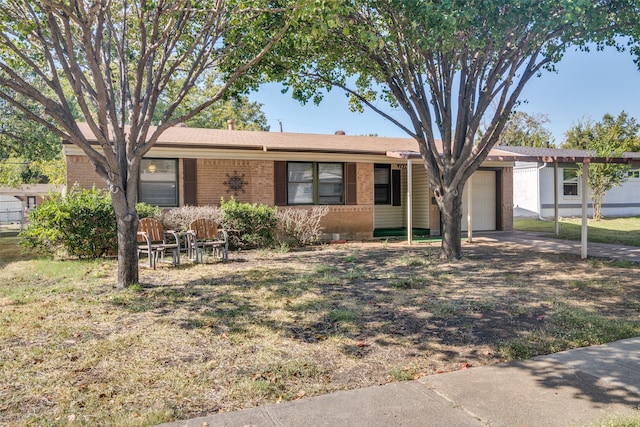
[(235, 183)]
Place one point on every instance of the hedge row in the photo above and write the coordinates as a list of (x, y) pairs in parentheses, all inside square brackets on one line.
[(82, 223)]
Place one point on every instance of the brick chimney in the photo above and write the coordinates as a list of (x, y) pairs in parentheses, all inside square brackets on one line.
[(231, 124)]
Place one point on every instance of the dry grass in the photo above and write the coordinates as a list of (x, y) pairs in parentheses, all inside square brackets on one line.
[(267, 326)]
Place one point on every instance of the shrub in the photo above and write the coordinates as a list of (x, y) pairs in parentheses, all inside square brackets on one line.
[(248, 225), (301, 225), (82, 224), (147, 211), (180, 218)]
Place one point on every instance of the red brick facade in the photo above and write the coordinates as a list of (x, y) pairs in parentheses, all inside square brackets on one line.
[(350, 221), (213, 175)]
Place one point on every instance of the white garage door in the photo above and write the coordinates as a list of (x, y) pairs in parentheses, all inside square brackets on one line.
[(484, 201)]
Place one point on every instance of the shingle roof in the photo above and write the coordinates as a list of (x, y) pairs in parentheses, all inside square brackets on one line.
[(186, 137), (276, 141)]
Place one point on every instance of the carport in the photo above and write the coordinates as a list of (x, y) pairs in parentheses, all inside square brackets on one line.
[(498, 155), (627, 159)]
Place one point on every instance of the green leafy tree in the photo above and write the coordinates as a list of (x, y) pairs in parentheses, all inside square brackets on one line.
[(526, 130), (27, 149), (117, 60), (609, 137), (246, 114), (448, 66)]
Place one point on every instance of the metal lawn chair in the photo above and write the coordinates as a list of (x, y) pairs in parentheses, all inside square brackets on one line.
[(206, 233), (154, 241)]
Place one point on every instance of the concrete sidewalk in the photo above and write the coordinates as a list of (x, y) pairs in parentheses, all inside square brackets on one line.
[(574, 388)]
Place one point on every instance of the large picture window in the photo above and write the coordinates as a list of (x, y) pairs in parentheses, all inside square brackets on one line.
[(310, 183), (570, 182), (158, 183)]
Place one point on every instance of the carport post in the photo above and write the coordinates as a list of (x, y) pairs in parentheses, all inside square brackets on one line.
[(470, 210), (409, 203), (585, 188), (556, 217)]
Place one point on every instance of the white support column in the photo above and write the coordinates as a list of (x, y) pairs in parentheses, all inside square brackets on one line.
[(585, 196), (556, 217), (409, 203), (470, 209)]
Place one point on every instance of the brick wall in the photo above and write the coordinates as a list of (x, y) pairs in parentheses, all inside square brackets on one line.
[(506, 207), (80, 171), (351, 222), (214, 176)]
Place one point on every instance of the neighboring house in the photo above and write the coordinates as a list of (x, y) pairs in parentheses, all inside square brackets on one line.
[(31, 195), (11, 210), (533, 186), (364, 180)]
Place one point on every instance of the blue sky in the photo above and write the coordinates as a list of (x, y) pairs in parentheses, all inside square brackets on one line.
[(586, 85)]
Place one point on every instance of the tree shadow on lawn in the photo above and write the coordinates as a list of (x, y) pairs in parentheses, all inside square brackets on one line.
[(396, 302)]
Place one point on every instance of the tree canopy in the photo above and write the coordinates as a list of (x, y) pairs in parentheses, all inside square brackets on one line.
[(526, 130), (119, 62), (609, 137), (447, 66)]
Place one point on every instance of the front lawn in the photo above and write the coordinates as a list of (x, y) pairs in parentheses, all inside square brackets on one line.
[(269, 327), (625, 231)]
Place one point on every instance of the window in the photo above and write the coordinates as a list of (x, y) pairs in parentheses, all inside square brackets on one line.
[(569, 182), (382, 184), (315, 183), (633, 174), (159, 182)]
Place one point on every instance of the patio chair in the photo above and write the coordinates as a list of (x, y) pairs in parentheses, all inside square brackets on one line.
[(206, 233), (154, 241)]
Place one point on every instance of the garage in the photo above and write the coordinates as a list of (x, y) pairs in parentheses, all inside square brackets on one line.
[(483, 183)]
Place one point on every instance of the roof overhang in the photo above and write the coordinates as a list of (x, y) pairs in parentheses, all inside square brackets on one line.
[(628, 160)]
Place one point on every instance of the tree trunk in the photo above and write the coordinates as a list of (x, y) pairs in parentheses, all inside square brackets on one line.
[(451, 214), (597, 207), (127, 220)]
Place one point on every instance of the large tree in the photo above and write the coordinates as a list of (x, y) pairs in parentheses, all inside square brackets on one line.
[(609, 137), (526, 130), (246, 114), (449, 66), (116, 60), (29, 152)]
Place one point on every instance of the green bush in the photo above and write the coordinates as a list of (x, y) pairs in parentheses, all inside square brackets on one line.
[(147, 211), (82, 224), (249, 225)]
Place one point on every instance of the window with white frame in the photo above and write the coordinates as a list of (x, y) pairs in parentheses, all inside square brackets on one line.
[(158, 183), (311, 183), (633, 174), (570, 182)]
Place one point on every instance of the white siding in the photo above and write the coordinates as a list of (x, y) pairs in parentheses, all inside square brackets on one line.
[(525, 189), (619, 201), (421, 197), (387, 216)]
